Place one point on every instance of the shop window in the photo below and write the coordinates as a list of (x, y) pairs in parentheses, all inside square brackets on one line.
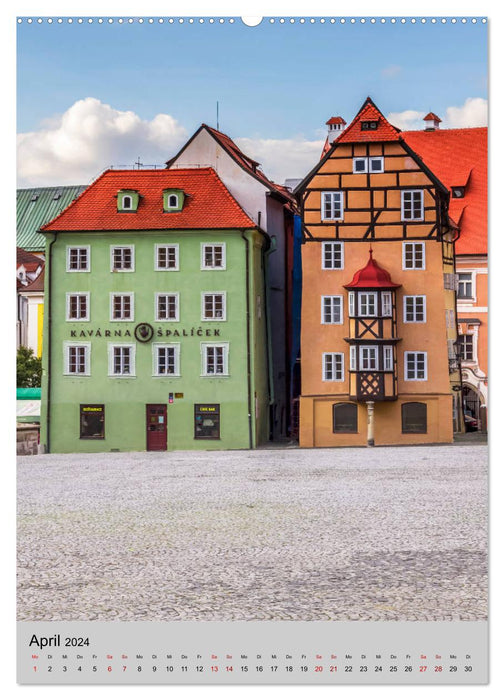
[(207, 421), (92, 421), (414, 417), (344, 418)]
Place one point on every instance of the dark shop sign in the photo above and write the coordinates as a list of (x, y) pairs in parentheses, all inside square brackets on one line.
[(157, 333)]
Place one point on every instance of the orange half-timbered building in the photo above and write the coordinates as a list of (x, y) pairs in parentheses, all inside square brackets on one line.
[(378, 323)]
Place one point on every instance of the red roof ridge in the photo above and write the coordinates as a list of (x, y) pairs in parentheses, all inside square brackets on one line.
[(369, 112)]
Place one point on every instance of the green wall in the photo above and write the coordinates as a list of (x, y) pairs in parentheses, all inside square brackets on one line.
[(125, 398)]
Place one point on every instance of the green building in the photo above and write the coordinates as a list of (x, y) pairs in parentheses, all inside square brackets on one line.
[(156, 328)]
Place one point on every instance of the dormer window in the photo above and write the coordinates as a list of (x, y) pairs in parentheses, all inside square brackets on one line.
[(458, 192), (173, 200), (127, 200), (369, 125)]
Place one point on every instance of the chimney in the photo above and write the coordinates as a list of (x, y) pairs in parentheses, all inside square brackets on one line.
[(335, 125), (432, 122)]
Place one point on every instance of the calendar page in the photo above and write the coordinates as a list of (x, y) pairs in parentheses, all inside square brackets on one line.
[(252, 348)]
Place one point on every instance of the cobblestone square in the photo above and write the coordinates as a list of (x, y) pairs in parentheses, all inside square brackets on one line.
[(276, 534)]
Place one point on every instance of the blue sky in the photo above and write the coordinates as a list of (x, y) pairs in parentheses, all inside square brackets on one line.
[(274, 82)]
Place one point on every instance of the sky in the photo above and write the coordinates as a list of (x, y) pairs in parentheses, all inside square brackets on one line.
[(91, 95)]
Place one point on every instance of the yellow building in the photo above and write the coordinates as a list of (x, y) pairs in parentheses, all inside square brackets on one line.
[(378, 323)]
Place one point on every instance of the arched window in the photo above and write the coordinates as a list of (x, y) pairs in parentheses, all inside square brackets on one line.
[(414, 417), (127, 202), (173, 201), (344, 418)]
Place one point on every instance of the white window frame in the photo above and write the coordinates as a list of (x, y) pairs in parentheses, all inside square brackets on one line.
[(353, 357), (360, 297), (69, 250), (376, 352), (351, 304), (331, 194), (474, 345), (414, 245), (131, 248), (110, 350), (337, 375), (382, 165), (131, 318), (333, 246), (224, 306), (469, 299), (388, 358), (204, 266), (123, 205), (386, 304), (334, 318), (412, 193), (69, 296), (415, 353), (415, 298), (204, 365), (176, 295), (172, 206), (367, 164), (157, 248), (364, 160), (67, 345), (155, 359)]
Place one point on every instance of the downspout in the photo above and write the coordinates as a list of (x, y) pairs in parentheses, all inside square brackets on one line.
[(249, 373), (48, 347)]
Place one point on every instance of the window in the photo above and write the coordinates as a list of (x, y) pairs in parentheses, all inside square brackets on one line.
[(77, 358), (121, 360), (167, 307), (332, 256), (388, 358), (373, 164), (353, 357), (122, 258), (214, 359), (344, 418), (386, 300), (413, 256), (466, 347), (415, 366), (332, 309), (92, 421), (166, 257), (213, 256), (213, 306), (122, 307), (332, 367), (367, 303), (412, 206), (332, 206), (77, 306), (127, 202), (207, 421), (369, 125), (465, 285), (368, 357), (166, 360), (78, 259), (414, 309), (173, 201), (351, 304), (414, 417)]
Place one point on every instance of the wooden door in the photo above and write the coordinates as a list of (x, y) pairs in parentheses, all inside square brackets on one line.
[(156, 427)]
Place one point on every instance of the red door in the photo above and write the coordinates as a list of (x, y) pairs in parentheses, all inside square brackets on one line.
[(156, 426)]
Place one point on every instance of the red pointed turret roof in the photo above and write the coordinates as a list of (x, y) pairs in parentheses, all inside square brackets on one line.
[(432, 117), (369, 112), (372, 276), (336, 120)]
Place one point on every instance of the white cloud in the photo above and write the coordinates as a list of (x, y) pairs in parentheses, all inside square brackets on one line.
[(391, 71), (89, 137), (474, 112), (282, 158)]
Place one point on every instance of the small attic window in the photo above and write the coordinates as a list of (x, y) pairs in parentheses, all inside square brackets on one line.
[(57, 195), (173, 200), (458, 192), (369, 126), (127, 200), (35, 196)]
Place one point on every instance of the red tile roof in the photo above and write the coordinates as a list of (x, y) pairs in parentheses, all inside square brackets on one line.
[(336, 120), (208, 204), (30, 261), (459, 157), (432, 117), (38, 283), (369, 112), (372, 276)]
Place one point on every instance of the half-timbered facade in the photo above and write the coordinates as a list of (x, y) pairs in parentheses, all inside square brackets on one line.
[(378, 333)]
